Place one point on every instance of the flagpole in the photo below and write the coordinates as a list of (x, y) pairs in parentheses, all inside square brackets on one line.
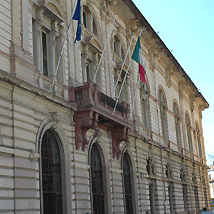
[(66, 35), (122, 66), (121, 88), (136, 90), (124, 80), (104, 48), (135, 95)]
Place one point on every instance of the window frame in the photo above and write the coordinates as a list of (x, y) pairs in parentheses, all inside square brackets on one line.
[(188, 131), (163, 113), (63, 174), (131, 180), (104, 177), (177, 124)]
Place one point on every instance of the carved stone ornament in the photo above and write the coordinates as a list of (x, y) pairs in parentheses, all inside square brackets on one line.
[(194, 178), (119, 134), (83, 122), (183, 175), (169, 171)]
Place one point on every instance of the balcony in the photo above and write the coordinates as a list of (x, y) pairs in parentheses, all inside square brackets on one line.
[(95, 111)]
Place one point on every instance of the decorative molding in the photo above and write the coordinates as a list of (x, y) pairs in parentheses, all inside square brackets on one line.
[(83, 122)]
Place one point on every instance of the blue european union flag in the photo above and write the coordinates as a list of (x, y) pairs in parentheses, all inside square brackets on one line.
[(77, 16)]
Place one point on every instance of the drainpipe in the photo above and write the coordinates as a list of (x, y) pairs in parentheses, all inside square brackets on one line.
[(135, 144), (14, 180), (73, 137)]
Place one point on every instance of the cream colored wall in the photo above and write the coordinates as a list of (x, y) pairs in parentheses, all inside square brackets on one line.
[(23, 107)]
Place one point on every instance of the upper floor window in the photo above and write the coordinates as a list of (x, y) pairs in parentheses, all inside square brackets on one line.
[(128, 185), (189, 132), (47, 40), (163, 115), (177, 124), (51, 175), (118, 50), (144, 98), (124, 91), (44, 53), (97, 181), (89, 20), (198, 138)]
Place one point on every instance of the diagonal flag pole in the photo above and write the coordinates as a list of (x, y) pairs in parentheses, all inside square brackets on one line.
[(60, 57), (122, 67), (124, 80), (121, 88), (104, 48), (133, 102)]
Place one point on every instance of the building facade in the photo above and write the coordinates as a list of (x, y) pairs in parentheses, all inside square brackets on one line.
[(61, 147), (211, 180)]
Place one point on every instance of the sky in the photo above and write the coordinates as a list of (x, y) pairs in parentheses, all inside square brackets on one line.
[(187, 28)]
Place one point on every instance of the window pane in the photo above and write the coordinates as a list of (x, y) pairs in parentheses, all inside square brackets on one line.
[(51, 175), (127, 184), (44, 51), (97, 181)]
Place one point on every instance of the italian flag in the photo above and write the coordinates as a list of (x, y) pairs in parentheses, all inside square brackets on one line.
[(137, 57)]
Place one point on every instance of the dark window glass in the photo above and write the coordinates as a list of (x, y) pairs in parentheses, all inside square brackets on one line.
[(127, 184), (51, 175), (97, 181), (196, 198), (84, 19), (94, 28), (44, 51), (171, 202), (152, 197)]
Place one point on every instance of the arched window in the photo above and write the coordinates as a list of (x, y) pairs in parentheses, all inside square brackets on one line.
[(51, 175), (163, 108), (117, 46), (144, 98), (118, 50), (87, 18), (84, 19), (198, 137), (124, 96), (189, 134), (128, 185), (177, 124), (98, 197)]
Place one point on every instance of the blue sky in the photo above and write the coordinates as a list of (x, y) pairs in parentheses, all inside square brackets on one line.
[(187, 28)]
